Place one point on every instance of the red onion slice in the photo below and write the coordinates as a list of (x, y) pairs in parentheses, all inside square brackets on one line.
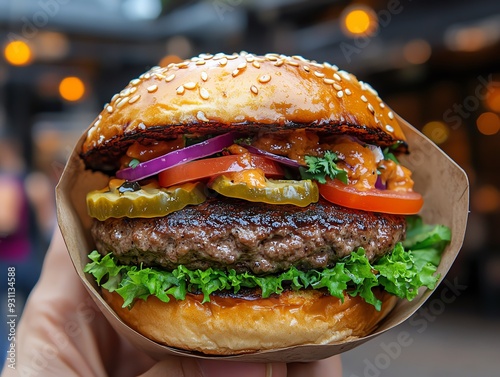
[(205, 148), (284, 160), (379, 185)]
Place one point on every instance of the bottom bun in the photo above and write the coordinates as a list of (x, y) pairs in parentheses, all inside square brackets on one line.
[(235, 325)]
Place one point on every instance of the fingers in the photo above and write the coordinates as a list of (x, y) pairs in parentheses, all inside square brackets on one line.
[(184, 367), (331, 367)]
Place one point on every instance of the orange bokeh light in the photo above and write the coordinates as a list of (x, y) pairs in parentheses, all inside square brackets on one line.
[(71, 88), (18, 53)]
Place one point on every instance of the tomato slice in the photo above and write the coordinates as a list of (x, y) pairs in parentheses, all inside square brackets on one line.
[(204, 169), (374, 200)]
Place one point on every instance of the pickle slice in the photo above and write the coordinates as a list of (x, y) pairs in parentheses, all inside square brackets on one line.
[(147, 202), (299, 193)]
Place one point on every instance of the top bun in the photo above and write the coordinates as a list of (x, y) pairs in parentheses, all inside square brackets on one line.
[(212, 94)]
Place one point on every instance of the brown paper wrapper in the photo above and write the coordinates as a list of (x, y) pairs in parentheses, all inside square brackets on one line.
[(443, 184)]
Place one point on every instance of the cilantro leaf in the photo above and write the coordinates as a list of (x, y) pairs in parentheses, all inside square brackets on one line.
[(388, 155), (133, 163), (319, 168)]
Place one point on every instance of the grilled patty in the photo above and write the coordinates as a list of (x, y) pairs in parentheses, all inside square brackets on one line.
[(235, 234)]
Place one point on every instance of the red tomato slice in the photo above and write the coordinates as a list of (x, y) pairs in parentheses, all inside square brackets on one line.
[(204, 169), (374, 200)]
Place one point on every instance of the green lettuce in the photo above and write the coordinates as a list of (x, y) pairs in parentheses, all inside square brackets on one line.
[(411, 264)]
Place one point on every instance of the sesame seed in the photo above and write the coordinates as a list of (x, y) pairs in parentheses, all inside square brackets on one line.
[(134, 98), (200, 62), (158, 75), (190, 85), (391, 115), (328, 81), (170, 77), (109, 109), (135, 81), (291, 62), (122, 102), (279, 63), (370, 107), (379, 99), (97, 122), (105, 105), (264, 78), (345, 75), (142, 126), (348, 91), (340, 94), (180, 90), (147, 76), (335, 68), (133, 90), (363, 98), (272, 58), (337, 77), (389, 128), (242, 65), (204, 93), (114, 97), (223, 61), (250, 58), (232, 57), (125, 92), (152, 88), (256, 64), (382, 105), (337, 86), (254, 89), (235, 72), (327, 65), (201, 116), (306, 68), (319, 74), (204, 76)]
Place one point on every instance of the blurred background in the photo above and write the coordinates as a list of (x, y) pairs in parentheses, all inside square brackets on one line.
[(435, 63)]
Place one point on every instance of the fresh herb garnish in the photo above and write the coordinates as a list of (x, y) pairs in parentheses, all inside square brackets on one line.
[(320, 168), (388, 153), (244, 140), (133, 163)]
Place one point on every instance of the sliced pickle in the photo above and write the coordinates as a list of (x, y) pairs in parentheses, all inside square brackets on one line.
[(149, 201), (299, 193)]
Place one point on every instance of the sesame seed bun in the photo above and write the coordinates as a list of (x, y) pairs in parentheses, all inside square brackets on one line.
[(220, 93)]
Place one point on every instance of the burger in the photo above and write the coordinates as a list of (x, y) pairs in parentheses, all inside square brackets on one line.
[(254, 203)]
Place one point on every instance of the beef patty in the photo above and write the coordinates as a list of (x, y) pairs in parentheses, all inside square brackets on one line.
[(235, 234)]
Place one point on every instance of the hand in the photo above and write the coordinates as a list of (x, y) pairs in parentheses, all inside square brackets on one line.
[(63, 333)]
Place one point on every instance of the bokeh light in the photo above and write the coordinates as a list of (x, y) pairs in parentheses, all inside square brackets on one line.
[(359, 20), (437, 131), (488, 123), (71, 88), (18, 53), (486, 199), (417, 51), (493, 97)]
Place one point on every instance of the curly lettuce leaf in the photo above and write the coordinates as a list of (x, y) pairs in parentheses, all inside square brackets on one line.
[(411, 264)]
